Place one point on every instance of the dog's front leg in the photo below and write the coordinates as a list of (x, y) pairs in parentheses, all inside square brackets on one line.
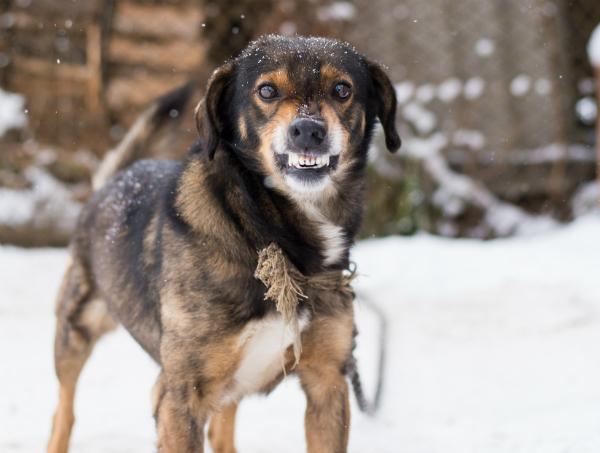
[(327, 418), (222, 429), (180, 414), (197, 363), (322, 370)]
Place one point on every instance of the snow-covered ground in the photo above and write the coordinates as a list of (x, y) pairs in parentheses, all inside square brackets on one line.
[(492, 347), (12, 114)]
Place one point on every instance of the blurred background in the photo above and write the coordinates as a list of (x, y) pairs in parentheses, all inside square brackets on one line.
[(497, 102)]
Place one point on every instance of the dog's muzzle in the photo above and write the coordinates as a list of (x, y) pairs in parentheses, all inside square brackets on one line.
[(309, 146)]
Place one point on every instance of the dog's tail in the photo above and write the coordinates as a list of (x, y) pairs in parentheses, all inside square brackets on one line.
[(142, 139)]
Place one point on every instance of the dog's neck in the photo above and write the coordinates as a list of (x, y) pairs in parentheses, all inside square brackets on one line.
[(335, 243), (315, 232)]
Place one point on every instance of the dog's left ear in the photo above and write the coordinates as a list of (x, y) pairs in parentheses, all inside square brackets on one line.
[(210, 108), (385, 97)]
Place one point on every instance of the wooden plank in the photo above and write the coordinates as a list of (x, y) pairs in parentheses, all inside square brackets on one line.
[(29, 85), (50, 69), (158, 22), (173, 55), (23, 20), (94, 67)]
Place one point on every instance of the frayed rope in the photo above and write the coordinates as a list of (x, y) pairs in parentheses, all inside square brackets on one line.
[(284, 284)]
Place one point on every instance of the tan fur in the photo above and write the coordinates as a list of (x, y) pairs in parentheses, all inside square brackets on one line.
[(322, 376), (97, 318), (242, 128), (221, 430), (280, 79), (63, 420), (97, 322), (276, 126)]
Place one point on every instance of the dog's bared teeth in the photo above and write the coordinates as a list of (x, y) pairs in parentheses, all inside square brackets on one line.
[(301, 161)]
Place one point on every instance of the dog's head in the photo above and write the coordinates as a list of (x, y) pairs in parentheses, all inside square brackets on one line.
[(298, 111)]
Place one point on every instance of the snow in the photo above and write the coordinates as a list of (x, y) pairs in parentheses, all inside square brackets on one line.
[(49, 204), (12, 115), (337, 11), (551, 153), (587, 110), (485, 47), (404, 91), (492, 346), (425, 93), (593, 47), (520, 85), (472, 139), (342, 11), (473, 88), (449, 89), (500, 219), (424, 120), (586, 199)]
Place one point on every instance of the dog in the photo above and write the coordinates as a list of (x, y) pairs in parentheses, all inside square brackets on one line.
[(173, 250)]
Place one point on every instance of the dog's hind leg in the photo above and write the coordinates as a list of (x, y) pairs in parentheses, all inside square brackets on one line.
[(222, 428), (82, 318)]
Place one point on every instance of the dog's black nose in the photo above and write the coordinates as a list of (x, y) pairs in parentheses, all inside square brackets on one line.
[(306, 133)]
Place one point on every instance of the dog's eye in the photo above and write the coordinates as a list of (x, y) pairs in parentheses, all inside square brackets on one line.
[(267, 92), (341, 90)]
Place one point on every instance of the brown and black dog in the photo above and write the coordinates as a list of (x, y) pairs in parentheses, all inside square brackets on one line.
[(170, 249)]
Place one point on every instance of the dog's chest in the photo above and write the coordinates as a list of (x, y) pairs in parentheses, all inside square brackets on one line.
[(332, 236), (333, 242), (263, 343)]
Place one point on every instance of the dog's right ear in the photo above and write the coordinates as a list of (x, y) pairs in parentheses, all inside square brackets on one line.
[(208, 120), (385, 99)]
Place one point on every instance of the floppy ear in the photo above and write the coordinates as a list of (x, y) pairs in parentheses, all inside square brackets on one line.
[(385, 97), (208, 111)]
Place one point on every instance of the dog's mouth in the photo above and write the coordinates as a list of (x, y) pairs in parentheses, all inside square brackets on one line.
[(303, 161), (307, 163)]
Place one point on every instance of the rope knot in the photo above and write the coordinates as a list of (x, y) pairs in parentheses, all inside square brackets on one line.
[(284, 284)]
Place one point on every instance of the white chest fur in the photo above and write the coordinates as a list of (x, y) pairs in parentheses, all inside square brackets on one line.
[(333, 240), (332, 235), (263, 343)]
